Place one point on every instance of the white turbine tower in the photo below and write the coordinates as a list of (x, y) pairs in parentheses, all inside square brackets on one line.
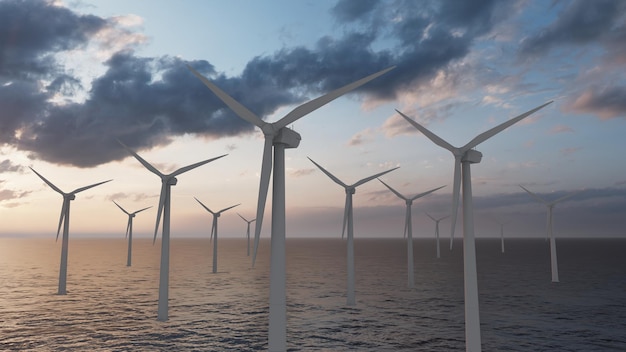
[(247, 231), (549, 232), (277, 138), (348, 220), (463, 158), (64, 220), (501, 235), (129, 230), (167, 181), (408, 228), (216, 215), (437, 230)]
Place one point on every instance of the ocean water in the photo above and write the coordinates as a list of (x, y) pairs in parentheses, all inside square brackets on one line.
[(111, 307)]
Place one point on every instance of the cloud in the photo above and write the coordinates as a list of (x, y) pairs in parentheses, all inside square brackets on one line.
[(569, 151), (362, 137), (606, 102), (560, 129), (7, 194), (8, 166), (301, 172)]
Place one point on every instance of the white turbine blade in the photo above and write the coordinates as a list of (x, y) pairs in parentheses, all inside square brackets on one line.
[(445, 217), (122, 209), (47, 182), (345, 216), (406, 222), (393, 190), (88, 187), (332, 177), (140, 210), (367, 179), (232, 206), (539, 199), (456, 190), (128, 226), (234, 105), (62, 217), (317, 103), (566, 197), (193, 166), (244, 219), (213, 227), (160, 209), (426, 193), (264, 184), (204, 206), (492, 132), (433, 137), (141, 160), (430, 216)]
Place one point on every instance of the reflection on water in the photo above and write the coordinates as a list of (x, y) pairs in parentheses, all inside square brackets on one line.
[(111, 307)]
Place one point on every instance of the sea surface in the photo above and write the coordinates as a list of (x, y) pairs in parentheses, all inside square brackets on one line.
[(111, 307)]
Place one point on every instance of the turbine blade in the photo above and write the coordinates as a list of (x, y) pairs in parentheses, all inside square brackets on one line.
[(193, 166), (566, 197), (445, 217), (213, 227), (345, 216), (367, 179), (244, 219), (426, 193), (234, 105), (88, 187), (140, 210), (232, 206), (433, 137), (264, 183), (128, 226), (430, 216), (142, 161), (317, 103), (393, 190), (160, 209), (539, 199), (492, 132), (204, 206), (332, 177), (406, 222), (62, 217), (456, 190), (47, 182), (122, 209)]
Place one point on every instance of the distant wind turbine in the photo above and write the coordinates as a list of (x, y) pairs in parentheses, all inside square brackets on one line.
[(437, 230), (247, 231), (64, 220), (129, 230), (501, 234), (549, 232), (216, 215), (348, 220), (408, 228), (463, 158), (277, 138), (167, 181)]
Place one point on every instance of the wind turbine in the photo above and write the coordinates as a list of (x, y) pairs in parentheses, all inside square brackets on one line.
[(437, 230), (408, 228), (501, 234), (167, 181), (463, 158), (216, 215), (348, 220), (64, 220), (129, 230), (549, 232), (247, 231), (277, 138)]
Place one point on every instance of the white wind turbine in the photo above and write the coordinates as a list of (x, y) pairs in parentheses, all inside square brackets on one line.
[(129, 230), (216, 215), (549, 232), (167, 181), (408, 228), (247, 231), (277, 138), (463, 158), (64, 220), (501, 234), (437, 230), (348, 220)]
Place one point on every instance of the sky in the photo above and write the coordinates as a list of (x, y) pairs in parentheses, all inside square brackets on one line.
[(77, 75)]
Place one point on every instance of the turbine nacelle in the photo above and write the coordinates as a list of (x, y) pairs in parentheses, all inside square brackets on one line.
[(288, 137), (171, 181), (350, 190), (472, 156), (409, 202), (70, 196)]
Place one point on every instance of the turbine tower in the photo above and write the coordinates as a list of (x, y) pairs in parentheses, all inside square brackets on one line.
[(501, 223), (277, 138), (216, 215), (247, 231), (408, 228), (167, 181), (348, 220), (549, 233), (64, 220), (437, 230), (129, 230), (463, 158)]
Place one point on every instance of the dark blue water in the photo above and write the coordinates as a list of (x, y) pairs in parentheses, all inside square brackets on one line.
[(110, 307)]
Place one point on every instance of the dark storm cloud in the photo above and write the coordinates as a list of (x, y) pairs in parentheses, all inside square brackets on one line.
[(580, 22), (146, 100), (606, 102)]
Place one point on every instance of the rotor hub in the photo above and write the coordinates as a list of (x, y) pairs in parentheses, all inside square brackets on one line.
[(288, 137), (472, 156), (350, 190), (409, 202), (172, 181)]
